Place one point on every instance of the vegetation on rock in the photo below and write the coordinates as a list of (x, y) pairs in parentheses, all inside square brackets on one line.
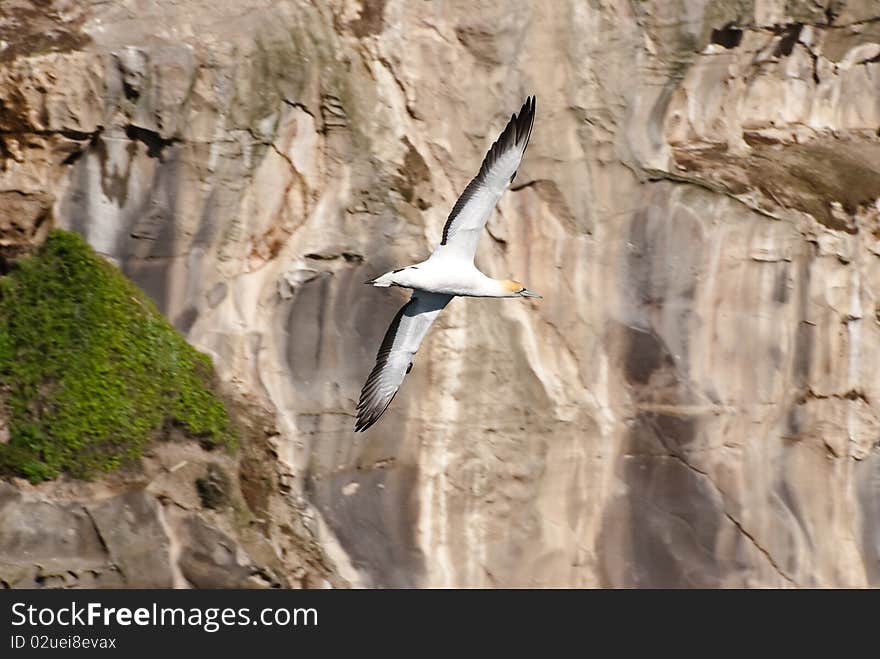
[(90, 371)]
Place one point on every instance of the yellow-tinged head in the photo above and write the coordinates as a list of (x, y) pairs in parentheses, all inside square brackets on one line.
[(516, 289)]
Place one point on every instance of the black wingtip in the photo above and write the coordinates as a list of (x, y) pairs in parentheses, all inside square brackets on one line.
[(363, 424), (525, 120)]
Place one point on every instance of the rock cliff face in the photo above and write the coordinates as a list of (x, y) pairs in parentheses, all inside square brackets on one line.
[(693, 403), (185, 518)]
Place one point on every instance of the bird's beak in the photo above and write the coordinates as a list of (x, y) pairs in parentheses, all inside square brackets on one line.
[(370, 281), (527, 293)]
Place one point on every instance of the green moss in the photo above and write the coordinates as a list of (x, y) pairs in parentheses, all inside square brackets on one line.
[(90, 371)]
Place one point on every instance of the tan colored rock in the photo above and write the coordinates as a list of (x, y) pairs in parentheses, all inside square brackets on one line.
[(693, 403), (150, 528)]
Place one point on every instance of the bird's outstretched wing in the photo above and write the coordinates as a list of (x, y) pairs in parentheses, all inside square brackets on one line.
[(395, 357), (465, 223)]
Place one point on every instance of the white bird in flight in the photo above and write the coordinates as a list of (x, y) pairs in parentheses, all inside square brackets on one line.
[(449, 271)]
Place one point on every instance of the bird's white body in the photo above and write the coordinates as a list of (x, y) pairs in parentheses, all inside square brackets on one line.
[(449, 272), (449, 276)]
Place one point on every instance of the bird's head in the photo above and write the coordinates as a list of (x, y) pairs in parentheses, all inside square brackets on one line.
[(516, 289)]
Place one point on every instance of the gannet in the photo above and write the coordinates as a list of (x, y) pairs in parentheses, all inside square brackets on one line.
[(448, 272)]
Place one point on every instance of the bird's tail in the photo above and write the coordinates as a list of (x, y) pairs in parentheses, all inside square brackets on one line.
[(382, 282)]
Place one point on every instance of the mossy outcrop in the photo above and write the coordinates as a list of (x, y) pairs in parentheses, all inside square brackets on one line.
[(90, 371)]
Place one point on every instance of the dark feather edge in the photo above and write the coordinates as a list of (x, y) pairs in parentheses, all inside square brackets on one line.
[(517, 128), (367, 408)]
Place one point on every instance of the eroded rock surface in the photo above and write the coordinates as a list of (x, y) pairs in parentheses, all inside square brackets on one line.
[(149, 528), (693, 403)]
